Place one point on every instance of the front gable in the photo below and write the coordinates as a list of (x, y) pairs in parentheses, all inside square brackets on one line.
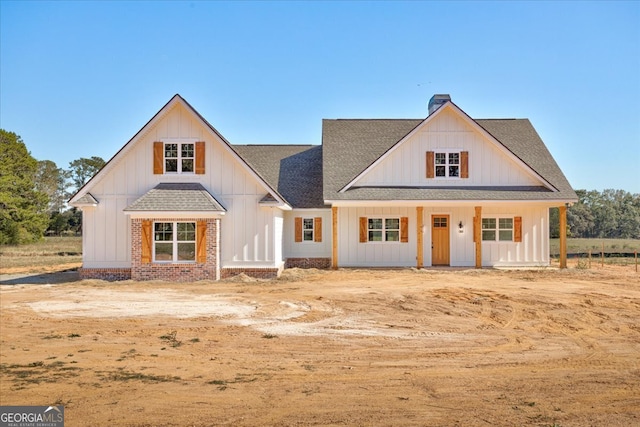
[(142, 163), (448, 150)]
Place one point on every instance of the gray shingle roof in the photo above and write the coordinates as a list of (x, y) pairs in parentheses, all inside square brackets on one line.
[(176, 197), (294, 170), (350, 146), (521, 138), (306, 175), (452, 193)]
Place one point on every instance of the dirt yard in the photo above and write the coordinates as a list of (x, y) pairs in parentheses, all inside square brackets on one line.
[(346, 347)]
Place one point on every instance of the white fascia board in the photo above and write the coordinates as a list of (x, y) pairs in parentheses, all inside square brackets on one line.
[(177, 215), (176, 99), (125, 148), (328, 208), (440, 203), (473, 124), (275, 204), (389, 151), (234, 154), (501, 147)]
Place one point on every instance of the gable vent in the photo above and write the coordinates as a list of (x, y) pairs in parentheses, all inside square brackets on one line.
[(436, 101)]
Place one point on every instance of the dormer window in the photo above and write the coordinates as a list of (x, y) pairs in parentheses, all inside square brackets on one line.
[(178, 157), (447, 164)]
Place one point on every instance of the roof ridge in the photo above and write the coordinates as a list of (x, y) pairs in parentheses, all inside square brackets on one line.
[(368, 120), (275, 145), (506, 118)]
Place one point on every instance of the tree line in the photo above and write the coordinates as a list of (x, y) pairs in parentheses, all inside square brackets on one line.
[(33, 196), (608, 214)]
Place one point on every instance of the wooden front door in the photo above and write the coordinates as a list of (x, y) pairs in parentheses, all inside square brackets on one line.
[(440, 239)]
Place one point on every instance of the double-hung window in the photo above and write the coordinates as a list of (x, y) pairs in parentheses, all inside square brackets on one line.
[(174, 242), (497, 229), (307, 229), (179, 158), (381, 229)]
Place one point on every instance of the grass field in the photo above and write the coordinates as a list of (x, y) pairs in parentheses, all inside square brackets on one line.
[(50, 251), (583, 246)]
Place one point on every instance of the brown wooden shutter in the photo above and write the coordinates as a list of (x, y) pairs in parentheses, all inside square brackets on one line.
[(317, 229), (298, 229), (146, 243), (517, 229), (464, 164), (430, 165), (404, 229), (201, 242), (363, 229), (200, 158), (158, 158)]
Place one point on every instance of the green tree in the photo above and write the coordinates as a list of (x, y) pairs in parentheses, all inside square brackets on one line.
[(69, 221), (607, 214), (82, 169), (23, 209), (51, 180)]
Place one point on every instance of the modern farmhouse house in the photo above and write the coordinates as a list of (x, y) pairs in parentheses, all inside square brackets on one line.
[(180, 202)]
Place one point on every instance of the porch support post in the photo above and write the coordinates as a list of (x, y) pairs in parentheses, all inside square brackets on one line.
[(477, 235), (420, 239), (563, 236), (334, 237)]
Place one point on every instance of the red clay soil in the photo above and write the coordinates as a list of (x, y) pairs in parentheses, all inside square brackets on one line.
[(346, 347)]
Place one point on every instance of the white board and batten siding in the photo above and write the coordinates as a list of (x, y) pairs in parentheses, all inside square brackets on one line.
[(532, 251), (489, 165), (534, 248), (293, 249), (353, 253), (248, 232)]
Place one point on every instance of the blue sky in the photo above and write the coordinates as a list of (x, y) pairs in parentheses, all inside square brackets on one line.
[(79, 79)]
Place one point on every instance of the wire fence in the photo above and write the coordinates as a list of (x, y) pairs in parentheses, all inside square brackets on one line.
[(598, 252)]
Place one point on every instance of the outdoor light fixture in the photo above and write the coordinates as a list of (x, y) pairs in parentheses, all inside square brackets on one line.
[(460, 227)]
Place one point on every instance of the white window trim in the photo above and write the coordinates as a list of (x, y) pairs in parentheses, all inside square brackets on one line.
[(174, 243), (497, 229), (313, 230), (179, 142), (447, 151), (385, 242)]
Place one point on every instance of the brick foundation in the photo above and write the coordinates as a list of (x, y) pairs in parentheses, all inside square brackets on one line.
[(179, 272), (308, 263), (109, 274)]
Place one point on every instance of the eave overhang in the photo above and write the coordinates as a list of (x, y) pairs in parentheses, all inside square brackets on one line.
[(449, 105)]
